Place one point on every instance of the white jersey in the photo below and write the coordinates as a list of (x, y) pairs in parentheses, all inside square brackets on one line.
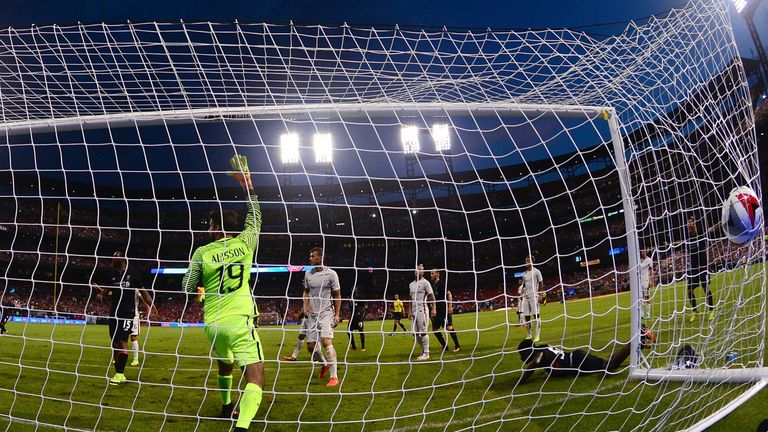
[(420, 289), (645, 272), (321, 284), (531, 280)]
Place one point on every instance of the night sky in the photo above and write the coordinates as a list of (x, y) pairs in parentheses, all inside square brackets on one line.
[(497, 14)]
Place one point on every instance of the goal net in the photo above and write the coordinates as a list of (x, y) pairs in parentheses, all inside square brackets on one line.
[(467, 152)]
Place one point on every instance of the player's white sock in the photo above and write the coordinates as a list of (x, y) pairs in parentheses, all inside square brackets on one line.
[(425, 344), (538, 328), (332, 360), (319, 357), (135, 349), (299, 345)]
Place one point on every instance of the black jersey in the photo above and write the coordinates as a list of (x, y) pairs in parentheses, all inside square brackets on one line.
[(441, 300), (697, 251), (359, 308), (124, 287), (559, 362)]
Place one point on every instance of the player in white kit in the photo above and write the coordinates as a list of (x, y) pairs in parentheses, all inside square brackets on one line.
[(422, 309), (646, 275), (322, 305), (529, 292)]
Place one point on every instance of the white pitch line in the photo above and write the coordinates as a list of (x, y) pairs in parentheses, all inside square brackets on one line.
[(500, 416)]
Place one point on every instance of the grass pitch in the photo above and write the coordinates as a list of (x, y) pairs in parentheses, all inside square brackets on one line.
[(54, 376)]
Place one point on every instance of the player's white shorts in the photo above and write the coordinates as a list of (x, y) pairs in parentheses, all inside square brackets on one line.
[(530, 306), (320, 326), (419, 324), (304, 326), (644, 285), (520, 306), (136, 326)]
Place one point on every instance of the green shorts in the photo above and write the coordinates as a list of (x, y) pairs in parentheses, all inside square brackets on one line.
[(234, 339)]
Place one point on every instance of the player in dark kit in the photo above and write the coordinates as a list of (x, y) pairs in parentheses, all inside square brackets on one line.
[(356, 322), (558, 362), (698, 273), (444, 315), (123, 287)]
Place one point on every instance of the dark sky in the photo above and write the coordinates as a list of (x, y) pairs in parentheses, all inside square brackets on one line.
[(452, 13)]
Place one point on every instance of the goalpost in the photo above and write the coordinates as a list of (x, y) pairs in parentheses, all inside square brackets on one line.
[(389, 148)]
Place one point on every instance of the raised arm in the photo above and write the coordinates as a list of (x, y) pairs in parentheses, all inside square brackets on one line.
[(250, 234), (194, 272)]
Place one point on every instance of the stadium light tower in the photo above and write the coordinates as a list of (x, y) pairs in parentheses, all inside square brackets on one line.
[(323, 148), (441, 134), (289, 148), (747, 9), (409, 136)]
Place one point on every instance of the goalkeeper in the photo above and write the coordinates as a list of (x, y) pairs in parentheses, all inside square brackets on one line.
[(558, 362), (224, 267)]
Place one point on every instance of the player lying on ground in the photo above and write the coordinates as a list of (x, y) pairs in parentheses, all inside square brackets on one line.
[(224, 267), (558, 362)]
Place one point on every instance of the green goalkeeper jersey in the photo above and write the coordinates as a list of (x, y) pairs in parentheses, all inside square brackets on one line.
[(224, 266)]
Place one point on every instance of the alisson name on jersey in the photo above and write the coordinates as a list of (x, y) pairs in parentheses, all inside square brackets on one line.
[(228, 254)]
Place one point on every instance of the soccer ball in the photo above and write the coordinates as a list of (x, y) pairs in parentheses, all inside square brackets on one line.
[(742, 215)]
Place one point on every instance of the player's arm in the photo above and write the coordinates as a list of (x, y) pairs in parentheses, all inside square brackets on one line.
[(449, 302), (336, 292), (431, 302), (530, 368), (250, 234), (307, 307), (194, 274), (147, 299)]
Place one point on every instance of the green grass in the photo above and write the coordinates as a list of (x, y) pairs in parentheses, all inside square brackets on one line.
[(56, 375)]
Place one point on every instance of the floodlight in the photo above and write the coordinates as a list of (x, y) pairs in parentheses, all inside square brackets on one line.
[(441, 134), (289, 148), (409, 135), (740, 5), (323, 148)]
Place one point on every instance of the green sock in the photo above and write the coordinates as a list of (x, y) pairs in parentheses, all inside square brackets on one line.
[(225, 385), (249, 404)]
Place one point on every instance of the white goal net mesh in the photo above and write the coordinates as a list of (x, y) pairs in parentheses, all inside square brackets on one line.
[(463, 151)]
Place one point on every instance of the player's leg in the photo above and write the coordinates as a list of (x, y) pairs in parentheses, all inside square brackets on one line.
[(330, 351), (135, 341), (299, 345), (325, 332), (350, 327), (361, 329), (3, 320), (452, 332), (224, 383), (252, 395), (437, 326), (691, 286), (219, 339), (120, 334), (399, 322), (710, 301), (534, 307), (248, 352), (395, 322), (423, 332)]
